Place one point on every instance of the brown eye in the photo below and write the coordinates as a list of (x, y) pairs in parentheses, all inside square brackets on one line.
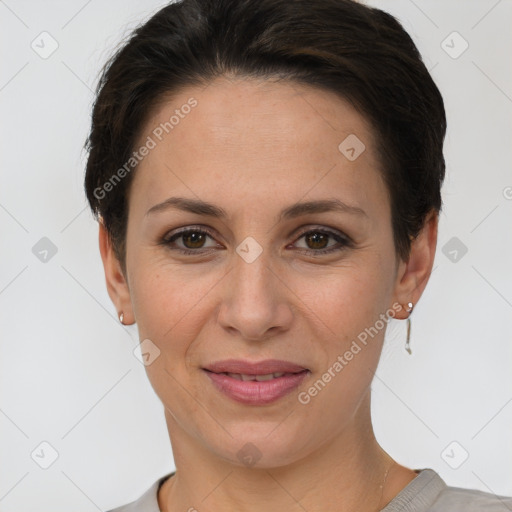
[(317, 240), (193, 239)]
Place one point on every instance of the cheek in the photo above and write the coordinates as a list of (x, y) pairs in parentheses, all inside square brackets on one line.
[(347, 307), (346, 300), (169, 307), (166, 300)]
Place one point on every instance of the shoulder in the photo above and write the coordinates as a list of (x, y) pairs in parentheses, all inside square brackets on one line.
[(428, 492), (147, 502), (455, 499)]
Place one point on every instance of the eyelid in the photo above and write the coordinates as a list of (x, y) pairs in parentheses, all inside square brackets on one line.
[(323, 229), (297, 233)]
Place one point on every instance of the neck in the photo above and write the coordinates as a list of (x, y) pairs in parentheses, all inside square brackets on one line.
[(348, 472)]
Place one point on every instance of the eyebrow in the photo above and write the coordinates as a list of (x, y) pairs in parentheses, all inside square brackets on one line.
[(200, 207)]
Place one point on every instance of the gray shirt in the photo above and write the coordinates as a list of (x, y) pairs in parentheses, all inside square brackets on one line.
[(426, 493)]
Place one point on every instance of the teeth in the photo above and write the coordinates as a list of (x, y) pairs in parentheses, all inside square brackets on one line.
[(259, 378), (268, 376)]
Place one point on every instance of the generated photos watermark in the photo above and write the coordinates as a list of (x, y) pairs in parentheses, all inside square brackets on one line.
[(152, 140), (344, 359)]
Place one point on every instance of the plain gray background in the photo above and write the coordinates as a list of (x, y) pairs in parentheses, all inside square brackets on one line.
[(68, 373)]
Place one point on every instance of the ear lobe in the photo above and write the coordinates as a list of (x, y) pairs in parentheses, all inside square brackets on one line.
[(117, 285), (413, 275)]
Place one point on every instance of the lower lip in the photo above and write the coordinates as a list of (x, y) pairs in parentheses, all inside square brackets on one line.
[(254, 392)]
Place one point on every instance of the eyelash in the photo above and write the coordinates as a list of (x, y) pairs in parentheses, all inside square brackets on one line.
[(344, 240)]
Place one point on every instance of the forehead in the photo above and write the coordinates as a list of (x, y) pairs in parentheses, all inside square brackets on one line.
[(229, 109), (256, 137)]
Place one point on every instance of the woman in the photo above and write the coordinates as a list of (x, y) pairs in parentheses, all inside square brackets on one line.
[(267, 179)]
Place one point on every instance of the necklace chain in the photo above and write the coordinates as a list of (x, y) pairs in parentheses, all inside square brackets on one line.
[(382, 487)]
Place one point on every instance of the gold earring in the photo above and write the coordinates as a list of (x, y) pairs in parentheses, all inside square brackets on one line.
[(408, 340), (121, 317)]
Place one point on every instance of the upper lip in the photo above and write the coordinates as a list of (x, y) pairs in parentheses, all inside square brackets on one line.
[(254, 368)]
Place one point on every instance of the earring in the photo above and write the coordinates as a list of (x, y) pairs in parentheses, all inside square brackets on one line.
[(121, 317), (407, 343)]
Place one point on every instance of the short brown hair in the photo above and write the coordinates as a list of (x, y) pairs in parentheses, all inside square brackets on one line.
[(361, 53)]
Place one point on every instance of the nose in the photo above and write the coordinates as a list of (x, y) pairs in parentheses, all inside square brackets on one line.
[(255, 301)]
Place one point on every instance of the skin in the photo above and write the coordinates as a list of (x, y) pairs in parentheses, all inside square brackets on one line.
[(254, 148)]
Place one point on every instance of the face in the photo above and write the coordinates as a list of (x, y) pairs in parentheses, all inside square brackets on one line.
[(266, 279)]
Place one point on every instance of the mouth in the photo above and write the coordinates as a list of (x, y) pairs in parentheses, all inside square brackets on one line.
[(255, 383), (259, 377), (254, 368)]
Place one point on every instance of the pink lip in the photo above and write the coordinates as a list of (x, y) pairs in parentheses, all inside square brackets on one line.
[(254, 392), (254, 368)]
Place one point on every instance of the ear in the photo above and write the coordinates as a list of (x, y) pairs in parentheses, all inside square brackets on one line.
[(117, 285), (413, 274)]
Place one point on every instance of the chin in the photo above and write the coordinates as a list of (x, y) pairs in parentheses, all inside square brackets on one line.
[(258, 448)]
